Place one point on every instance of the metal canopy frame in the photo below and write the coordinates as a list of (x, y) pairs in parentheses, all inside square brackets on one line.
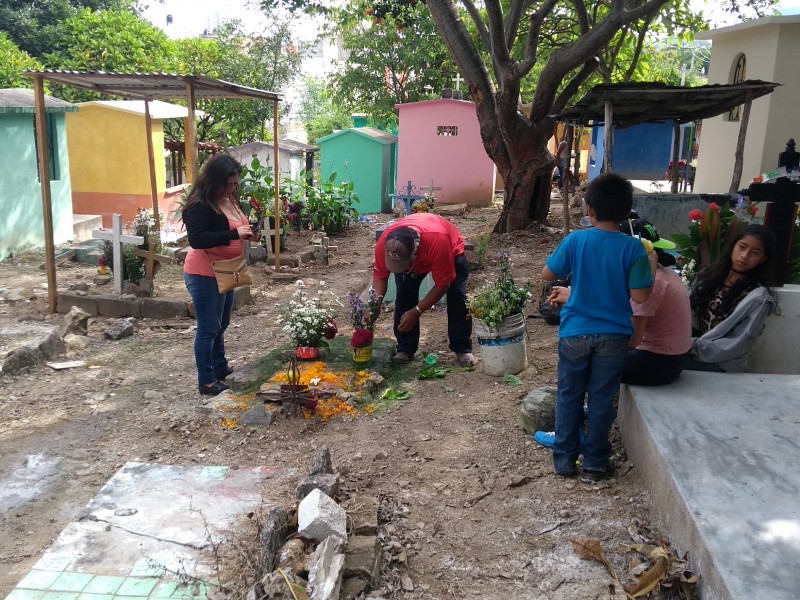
[(628, 104), (147, 87)]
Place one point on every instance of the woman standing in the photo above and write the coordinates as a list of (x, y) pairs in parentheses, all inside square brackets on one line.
[(217, 228), (731, 300)]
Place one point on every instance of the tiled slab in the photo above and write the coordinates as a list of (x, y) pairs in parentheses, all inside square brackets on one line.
[(148, 531)]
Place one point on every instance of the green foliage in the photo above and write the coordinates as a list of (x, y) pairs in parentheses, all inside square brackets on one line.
[(32, 25), (392, 59), (494, 302), (268, 61), (321, 111), (329, 206), (133, 267), (112, 40), (509, 379), (12, 62), (483, 246)]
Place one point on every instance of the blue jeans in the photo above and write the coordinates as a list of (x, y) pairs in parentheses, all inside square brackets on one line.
[(587, 365), (213, 314)]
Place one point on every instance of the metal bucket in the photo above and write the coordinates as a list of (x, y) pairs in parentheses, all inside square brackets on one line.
[(503, 351)]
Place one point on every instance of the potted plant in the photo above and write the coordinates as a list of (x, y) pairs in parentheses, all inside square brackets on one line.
[(308, 319), (499, 324), (361, 316)]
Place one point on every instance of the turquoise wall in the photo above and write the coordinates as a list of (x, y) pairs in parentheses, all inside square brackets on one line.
[(22, 224), (362, 160)]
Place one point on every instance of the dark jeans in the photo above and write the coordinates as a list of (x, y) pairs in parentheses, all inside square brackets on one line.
[(691, 364), (588, 365), (213, 314), (459, 321), (648, 368)]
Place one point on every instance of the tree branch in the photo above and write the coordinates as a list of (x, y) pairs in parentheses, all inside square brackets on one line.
[(515, 11), (498, 49), (575, 83), (532, 44)]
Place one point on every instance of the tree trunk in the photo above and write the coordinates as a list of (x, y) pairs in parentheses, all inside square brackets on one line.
[(527, 195)]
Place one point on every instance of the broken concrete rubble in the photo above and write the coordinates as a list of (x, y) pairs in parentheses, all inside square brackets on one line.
[(327, 568), (319, 517)]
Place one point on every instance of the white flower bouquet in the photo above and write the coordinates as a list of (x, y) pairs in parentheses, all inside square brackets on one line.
[(308, 316)]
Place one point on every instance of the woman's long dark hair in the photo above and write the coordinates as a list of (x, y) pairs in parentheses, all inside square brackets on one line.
[(712, 277), (212, 181)]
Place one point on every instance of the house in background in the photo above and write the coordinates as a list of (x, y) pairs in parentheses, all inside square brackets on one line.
[(109, 163), (294, 156), (367, 157), (440, 140), (765, 49), (22, 223), (641, 152)]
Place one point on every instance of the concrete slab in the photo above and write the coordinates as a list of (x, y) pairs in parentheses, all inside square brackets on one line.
[(719, 454), (149, 533)]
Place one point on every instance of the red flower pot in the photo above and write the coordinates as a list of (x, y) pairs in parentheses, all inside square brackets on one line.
[(306, 352)]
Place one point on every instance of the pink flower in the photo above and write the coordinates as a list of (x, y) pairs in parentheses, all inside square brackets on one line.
[(713, 206), (361, 338), (695, 215)]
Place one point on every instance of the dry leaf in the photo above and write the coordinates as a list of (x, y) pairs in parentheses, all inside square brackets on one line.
[(589, 549), (651, 579)]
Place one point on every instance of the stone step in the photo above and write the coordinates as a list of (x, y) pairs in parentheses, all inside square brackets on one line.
[(718, 453)]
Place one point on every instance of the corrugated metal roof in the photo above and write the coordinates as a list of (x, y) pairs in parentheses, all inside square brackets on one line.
[(153, 86), (21, 100), (635, 103)]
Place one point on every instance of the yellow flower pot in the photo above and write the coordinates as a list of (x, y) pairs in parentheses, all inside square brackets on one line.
[(363, 354)]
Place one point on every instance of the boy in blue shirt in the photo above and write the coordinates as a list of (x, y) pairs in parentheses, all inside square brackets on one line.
[(608, 269)]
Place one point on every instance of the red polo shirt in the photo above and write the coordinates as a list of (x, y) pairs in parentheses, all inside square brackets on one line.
[(439, 243)]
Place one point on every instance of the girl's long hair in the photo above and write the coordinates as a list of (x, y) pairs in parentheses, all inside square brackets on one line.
[(712, 277), (212, 181)]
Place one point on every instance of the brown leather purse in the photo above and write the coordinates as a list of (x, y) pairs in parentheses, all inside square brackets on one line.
[(231, 273)]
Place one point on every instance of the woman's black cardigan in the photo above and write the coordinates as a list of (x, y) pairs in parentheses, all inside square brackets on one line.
[(206, 228)]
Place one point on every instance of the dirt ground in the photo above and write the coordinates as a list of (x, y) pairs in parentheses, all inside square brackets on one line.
[(447, 462)]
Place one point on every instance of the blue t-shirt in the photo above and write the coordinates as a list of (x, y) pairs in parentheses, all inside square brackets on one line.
[(605, 265)]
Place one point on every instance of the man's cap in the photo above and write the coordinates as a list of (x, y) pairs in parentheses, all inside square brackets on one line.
[(637, 227), (400, 245)]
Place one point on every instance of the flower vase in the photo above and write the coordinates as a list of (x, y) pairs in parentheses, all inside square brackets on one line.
[(362, 354), (306, 352)]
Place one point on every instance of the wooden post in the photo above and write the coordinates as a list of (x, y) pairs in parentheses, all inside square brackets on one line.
[(736, 180), (277, 189), (148, 126), (608, 144), (676, 145), (565, 183), (192, 167), (44, 178)]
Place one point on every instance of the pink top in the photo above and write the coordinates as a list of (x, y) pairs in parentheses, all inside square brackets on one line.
[(669, 323), (198, 262)]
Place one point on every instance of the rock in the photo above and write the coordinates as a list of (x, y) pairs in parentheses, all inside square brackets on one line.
[(306, 254), (324, 482), (292, 555), (537, 412), (81, 286), (352, 588), (365, 516), (117, 307), (76, 343), (407, 584), (322, 462), (375, 383), (258, 416), (363, 559), (450, 210), (76, 321), (160, 308), (327, 567), (273, 534), (119, 329), (318, 517), (133, 289), (101, 279), (241, 297), (36, 343), (275, 588)]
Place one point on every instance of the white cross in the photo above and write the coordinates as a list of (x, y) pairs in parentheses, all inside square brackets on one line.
[(117, 239), (430, 187), (458, 81)]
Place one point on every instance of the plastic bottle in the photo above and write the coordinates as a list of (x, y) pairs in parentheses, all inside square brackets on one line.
[(431, 359)]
